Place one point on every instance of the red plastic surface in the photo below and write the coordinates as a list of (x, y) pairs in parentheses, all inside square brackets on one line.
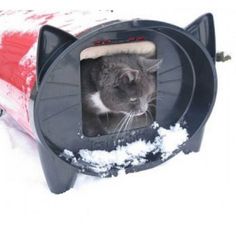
[(17, 75)]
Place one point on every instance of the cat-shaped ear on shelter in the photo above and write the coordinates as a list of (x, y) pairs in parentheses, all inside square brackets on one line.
[(202, 26), (150, 65), (51, 42)]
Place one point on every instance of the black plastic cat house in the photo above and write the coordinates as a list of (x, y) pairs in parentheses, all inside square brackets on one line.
[(186, 82)]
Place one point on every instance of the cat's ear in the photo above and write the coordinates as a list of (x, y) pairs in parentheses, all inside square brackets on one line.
[(128, 75), (150, 65)]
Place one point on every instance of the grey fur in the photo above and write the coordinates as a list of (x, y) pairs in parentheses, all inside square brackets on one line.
[(126, 83)]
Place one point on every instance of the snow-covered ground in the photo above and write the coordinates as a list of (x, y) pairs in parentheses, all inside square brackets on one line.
[(188, 195)]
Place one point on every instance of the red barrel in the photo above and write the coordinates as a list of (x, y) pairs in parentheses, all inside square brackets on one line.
[(18, 45)]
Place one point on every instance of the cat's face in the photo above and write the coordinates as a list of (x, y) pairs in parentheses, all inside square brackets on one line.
[(129, 89)]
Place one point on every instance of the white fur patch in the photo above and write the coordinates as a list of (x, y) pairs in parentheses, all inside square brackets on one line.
[(97, 102)]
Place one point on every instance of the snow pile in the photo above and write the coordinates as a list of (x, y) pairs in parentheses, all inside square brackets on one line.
[(171, 139), (167, 141), (133, 153)]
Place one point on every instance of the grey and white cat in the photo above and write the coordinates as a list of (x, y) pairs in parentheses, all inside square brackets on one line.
[(122, 84)]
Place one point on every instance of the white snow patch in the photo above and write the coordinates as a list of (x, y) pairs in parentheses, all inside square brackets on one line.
[(68, 153), (121, 172), (133, 153), (155, 125), (171, 139), (29, 59)]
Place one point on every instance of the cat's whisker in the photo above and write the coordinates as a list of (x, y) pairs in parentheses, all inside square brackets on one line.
[(119, 123), (152, 105), (107, 116), (125, 126), (127, 123), (152, 99), (119, 130), (122, 125), (145, 118), (150, 115), (132, 120)]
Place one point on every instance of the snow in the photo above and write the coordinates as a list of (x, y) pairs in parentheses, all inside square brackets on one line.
[(171, 139), (155, 125), (188, 195), (133, 153), (168, 141), (82, 20), (68, 153)]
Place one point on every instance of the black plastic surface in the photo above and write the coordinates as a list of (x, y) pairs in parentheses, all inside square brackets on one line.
[(51, 43), (203, 30), (60, 177)]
